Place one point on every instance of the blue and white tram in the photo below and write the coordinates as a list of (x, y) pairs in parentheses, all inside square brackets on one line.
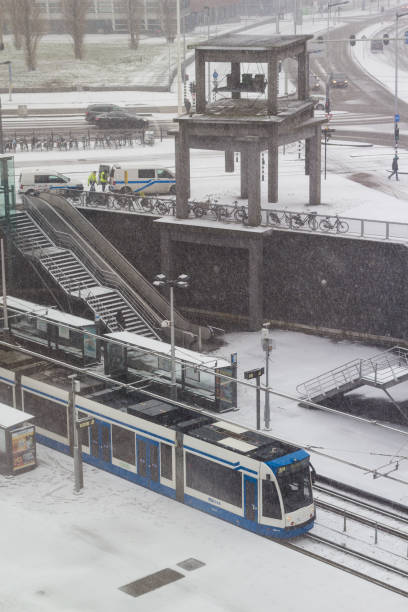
[(234, 473)]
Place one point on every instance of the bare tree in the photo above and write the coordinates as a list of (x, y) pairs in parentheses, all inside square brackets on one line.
[(133, 16), (30, 27), (168, 19), (75, 12), (12, 13)]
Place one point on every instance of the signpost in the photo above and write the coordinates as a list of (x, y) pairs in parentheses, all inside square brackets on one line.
[(250, 375)]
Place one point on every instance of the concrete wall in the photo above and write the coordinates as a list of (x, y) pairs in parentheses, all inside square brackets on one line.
[(309, 280)]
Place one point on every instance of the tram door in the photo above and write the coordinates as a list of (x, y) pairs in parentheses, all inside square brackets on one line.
[(251, 498), (147, 459), (101, 441)]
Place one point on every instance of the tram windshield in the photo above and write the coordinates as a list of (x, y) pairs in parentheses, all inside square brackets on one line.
[(295, 485)]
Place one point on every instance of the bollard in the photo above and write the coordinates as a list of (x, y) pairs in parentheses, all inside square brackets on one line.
[(376, 534), (345, 521)]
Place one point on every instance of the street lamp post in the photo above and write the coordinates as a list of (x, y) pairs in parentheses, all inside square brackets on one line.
[(76, 387), (181, 281), (179, 94), (267, 347), (329, 7), (207, 8), (399, 13)]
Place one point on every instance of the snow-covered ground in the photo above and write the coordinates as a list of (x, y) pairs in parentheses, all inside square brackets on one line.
[(70, 553)]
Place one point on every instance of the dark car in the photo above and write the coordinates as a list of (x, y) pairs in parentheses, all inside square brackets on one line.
[(120, 119), (338, 79), (96, 109), (314, 82)]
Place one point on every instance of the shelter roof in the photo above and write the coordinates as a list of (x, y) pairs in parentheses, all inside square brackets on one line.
[(245, 42)]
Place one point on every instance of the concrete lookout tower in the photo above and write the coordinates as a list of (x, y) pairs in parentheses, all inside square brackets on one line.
[(250, 125)]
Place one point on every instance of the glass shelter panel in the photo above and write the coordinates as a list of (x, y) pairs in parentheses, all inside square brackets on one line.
[(7, 186)]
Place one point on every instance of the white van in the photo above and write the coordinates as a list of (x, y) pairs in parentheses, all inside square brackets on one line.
[(140, 180), (32, 181)]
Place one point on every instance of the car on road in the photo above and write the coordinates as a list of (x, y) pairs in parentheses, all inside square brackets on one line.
[(319, 102), (120, 119), (34, 181), (338, 79), (97, 109), (314, 82)]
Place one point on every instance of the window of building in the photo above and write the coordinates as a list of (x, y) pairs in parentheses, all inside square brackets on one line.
[(123, 444), (166, 461), (270, 500), (214, 479), (49, 415)]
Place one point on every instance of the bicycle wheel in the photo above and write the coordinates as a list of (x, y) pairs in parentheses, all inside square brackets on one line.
[(162, 207), (313, 223), (240, 214), (274, 219), (325, 225), (146, 204), (343, 227), (199, 211)]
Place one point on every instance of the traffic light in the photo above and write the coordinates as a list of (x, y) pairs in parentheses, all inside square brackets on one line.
[(386, 39), (1, 46), (327, 106), (319, 39), (352, 40), (396, 133)]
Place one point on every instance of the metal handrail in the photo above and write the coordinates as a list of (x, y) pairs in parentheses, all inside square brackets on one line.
[(377, 366), (290, 219), (100, 275)]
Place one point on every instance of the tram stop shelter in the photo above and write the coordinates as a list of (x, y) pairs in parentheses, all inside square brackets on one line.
[(17, 441), (250, 117)]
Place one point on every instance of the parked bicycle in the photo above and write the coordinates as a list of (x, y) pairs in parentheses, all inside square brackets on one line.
[(327, 224), (294, 220)]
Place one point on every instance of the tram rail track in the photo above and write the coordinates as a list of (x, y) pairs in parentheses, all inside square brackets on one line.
[(296, 546)]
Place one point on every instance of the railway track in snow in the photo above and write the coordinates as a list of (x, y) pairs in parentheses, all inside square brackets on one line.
[(360, 533)]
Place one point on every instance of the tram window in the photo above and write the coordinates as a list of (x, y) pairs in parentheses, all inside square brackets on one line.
[(214, 479), (192, 373), (6, 394), (166, 467), (270, 500), (50, 415), (123, 444)]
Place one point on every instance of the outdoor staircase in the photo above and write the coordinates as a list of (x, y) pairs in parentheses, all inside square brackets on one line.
[(383, 370), (73, 277)]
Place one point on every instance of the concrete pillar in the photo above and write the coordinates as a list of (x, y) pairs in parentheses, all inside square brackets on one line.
[(303, 76), (307, 156), (273, 176), (255, 284), (229, 160), (244, 173), (254, 184), (200, 82), (273, 75), (315, 167), (235, 79), (166, 253), (182, 173)]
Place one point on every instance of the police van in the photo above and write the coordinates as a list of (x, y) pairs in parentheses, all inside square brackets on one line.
[(33, 181), (140, 180)]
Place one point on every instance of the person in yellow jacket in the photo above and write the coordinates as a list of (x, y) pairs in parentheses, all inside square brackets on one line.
[(92, 181), (103, 179)]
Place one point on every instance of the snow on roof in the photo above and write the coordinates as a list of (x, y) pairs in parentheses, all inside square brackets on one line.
[(9, 417), (165, 349), (48, 312)]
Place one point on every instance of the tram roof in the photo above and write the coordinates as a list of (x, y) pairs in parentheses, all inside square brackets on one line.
[(221, 433), (157, 346), (47, 312)]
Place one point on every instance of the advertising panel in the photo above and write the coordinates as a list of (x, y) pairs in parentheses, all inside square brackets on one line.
[(23, 448)]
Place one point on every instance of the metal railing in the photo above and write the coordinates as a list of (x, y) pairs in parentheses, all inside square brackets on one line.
[(280, 219), (390, 365), (102, 276)]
